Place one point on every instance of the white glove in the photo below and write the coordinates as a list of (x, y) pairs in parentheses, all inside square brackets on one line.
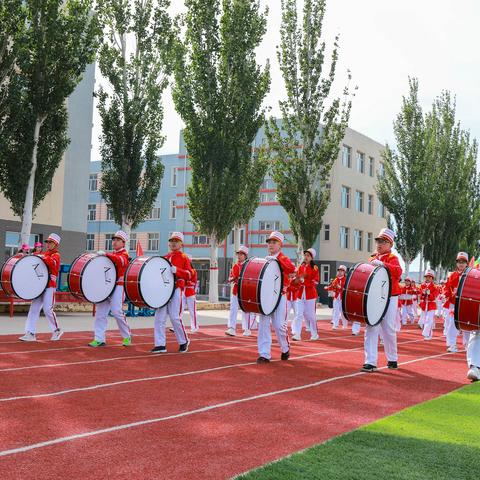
[(173, 269), (302, 280), (269, 257), (100, 252), (377, 263), (427, 291)]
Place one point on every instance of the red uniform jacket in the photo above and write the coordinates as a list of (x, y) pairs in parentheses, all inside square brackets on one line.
[(234, 274), (311, 278), (121, 259), (52, 259), (410, 291), (450, 288), (431, 296), (337, 285), (292, 292), (391, 263), (287, 268), (184, 268), (191, 284)]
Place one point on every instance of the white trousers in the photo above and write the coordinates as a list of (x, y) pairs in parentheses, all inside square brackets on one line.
[(389, 336), (473, 349), (279, 323), (337, 313), (305, 309), (46, 301), (356, 328), (291, 307), (190, 303), (407, 314), (451, 332), (465, 337), (232, 319), (114, 304), (428, 323), (174, 310)]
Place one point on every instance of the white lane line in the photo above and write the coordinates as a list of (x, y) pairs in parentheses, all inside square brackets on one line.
[(173, 375), (188, 413)]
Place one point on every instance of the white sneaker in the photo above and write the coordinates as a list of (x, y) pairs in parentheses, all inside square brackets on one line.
[(428, 338), (452, 349), (194, 330), (231, 332), (28, 337), (56, 335), (247, 333), (474, 374), (297, 338), (314, 337)]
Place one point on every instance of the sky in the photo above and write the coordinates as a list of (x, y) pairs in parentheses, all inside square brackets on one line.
[(382, 43)]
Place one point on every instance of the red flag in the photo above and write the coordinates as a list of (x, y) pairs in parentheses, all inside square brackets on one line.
[(139, 251), (472, 262)]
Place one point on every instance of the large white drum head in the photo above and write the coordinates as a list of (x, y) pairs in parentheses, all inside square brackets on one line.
[(157, 282), (99, 277), (377, 295), (30, 277), (270, 287)]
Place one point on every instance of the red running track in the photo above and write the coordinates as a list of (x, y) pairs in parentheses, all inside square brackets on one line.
[(74, 412)]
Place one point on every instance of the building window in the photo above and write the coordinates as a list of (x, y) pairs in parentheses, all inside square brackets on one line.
[(154, 213), (241, 236), (173, 178), (380, 210), (262, 238), (344, 237), (345, 196), (371, 166), (108, 241), (359, 201), (370, 204), (173, 209), (201, 240), (269, 225), (358, 240), (133, 241), (324, 274), (90, 241), (153, 242), (268, 197), (381, 170), (326, 232), (361, 162), (109, 214), (92, 212), (369, 241), (93, 182), (347, 156), (267, 184)]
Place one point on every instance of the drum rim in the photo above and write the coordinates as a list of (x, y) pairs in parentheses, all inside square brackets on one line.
[(82, 296), (11, 273), (461, 283), (139, 285)]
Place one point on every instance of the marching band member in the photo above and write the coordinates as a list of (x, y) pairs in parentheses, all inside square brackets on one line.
[(308, 278), (408, 293), (415, 300), (450, 290), (384, 257), (191, 298), (336, 286), (242, 255), (114, 303), (25, 249), (473, 356), (279, 317), (47, 300), (182, 269), (292, 302), (38, 247), (428, 305)]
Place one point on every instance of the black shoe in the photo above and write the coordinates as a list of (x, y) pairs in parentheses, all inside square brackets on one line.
[(183, 347), (263, 360), (171, 329), (368, 368), (392, 365), (285, 355), (160, 349)]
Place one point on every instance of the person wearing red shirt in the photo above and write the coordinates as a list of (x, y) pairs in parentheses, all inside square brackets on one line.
[(37, 248), (408, 292), (182, 269), (428, 304), (385, 258), (47, 300), (307, 277), (190, 299), (278, 318), (336, 288), (114, 303), (292, 302), (242, 255)]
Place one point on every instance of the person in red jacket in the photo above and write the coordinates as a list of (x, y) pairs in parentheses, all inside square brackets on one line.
[(278, 318), (308, 277), (242, 255), (182, 269), (292, 303), (47, 300), (428, 304), (38, 248), (385, 258), (336, 288), (114, 303), (191, 299), (407, 296)]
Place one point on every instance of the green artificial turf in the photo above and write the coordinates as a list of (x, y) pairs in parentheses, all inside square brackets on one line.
[(438, 439)]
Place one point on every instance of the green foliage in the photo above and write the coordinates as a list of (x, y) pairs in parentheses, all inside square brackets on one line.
[(306, 144), (131, 109), (219, 90)]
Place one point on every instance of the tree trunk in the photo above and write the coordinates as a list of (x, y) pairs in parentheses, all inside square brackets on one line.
[(27, 216), (213, 281), (126, 227), (299, 250), (236, 238), (407, 266), (420, 270)]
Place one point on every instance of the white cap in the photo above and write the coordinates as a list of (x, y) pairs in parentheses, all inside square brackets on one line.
[(462, 256), (243, 249), (276, 236), (176, 236), (342, 267), (121, 235), (53, 237), (311, 251), (386, 234), (430, 273)]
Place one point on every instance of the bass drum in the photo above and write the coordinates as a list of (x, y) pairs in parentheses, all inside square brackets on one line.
[(467, 301)]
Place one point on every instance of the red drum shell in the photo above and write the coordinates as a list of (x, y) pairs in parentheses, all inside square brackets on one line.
[(467, 301)]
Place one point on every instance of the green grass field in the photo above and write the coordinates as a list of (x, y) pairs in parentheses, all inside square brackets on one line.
[(436, 440)]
